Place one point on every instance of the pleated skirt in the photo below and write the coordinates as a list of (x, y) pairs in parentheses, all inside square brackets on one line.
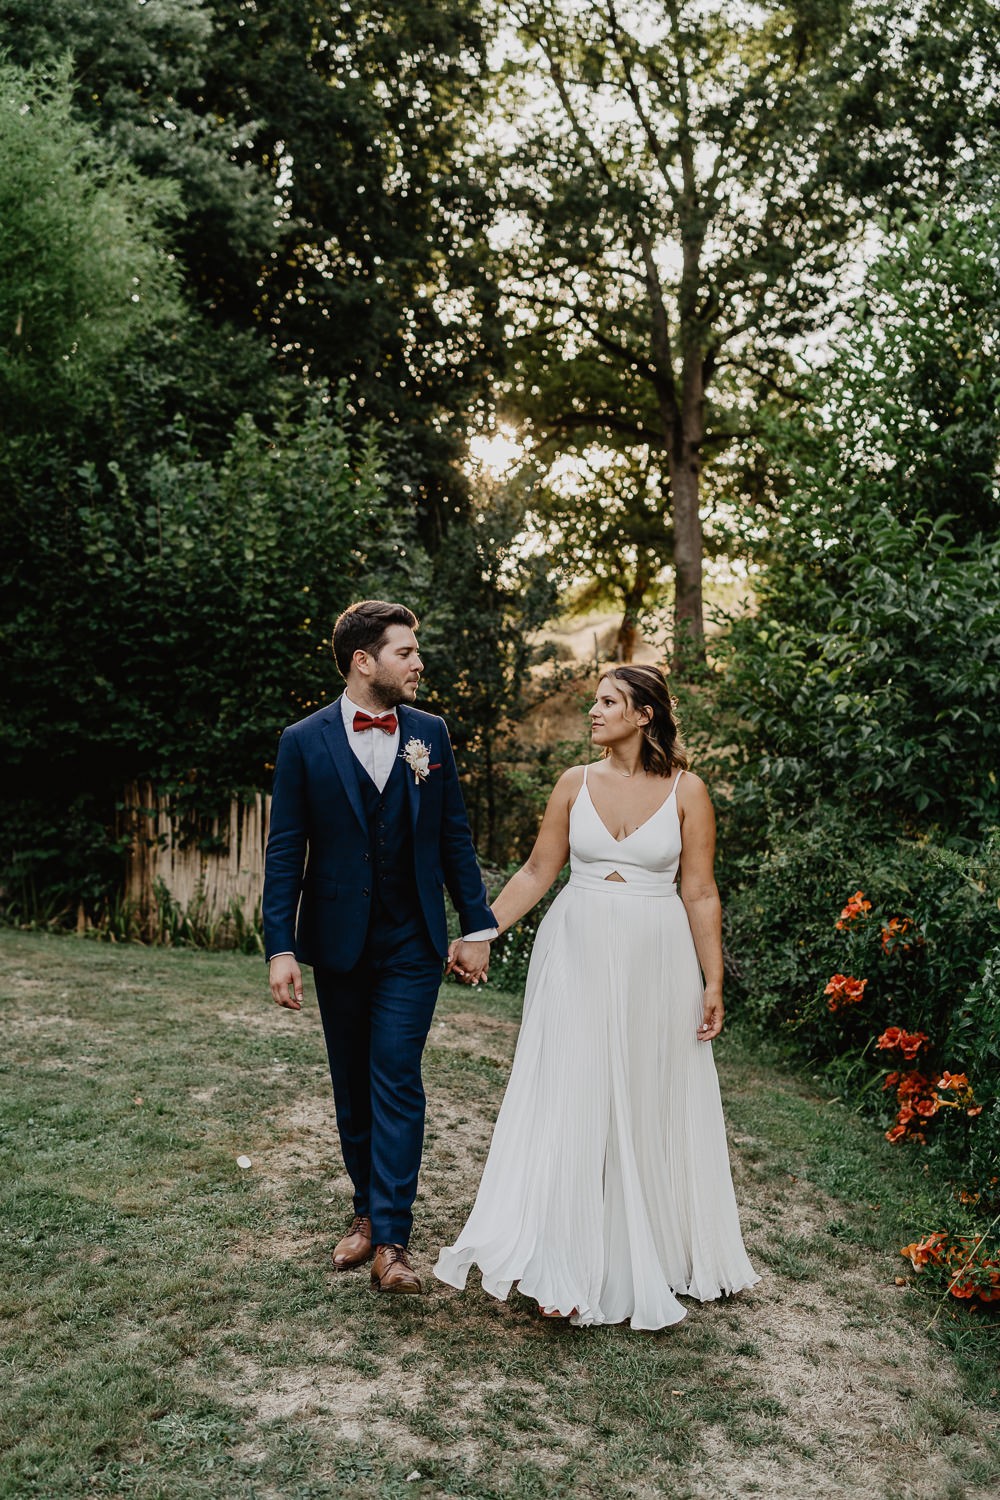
[(607, 1192)]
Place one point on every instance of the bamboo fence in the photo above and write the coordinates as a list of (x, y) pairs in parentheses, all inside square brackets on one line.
[(165, 855)]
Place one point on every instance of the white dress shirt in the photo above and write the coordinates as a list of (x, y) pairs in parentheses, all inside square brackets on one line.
[(377, 752), (375, 749)]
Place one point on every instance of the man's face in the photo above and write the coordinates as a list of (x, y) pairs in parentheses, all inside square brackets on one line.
[(394, 675)]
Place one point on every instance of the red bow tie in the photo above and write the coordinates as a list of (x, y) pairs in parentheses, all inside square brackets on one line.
[(387, 722)]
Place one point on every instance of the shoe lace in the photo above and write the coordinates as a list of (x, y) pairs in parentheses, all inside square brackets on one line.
[(393, 1254)]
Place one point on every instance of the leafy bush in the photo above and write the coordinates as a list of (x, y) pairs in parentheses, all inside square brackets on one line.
[(869, 672), (168, 630), (856, 711)]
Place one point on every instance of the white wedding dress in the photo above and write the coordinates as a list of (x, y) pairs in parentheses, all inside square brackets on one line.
[(607, 1190)]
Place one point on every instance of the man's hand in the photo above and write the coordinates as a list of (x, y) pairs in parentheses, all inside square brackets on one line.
[(469, 961), (286, 981)]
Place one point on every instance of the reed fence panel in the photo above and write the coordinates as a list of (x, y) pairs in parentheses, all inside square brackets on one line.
[(166, 852)]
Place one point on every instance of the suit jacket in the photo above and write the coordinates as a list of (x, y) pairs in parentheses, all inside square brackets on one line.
[(318, 881)]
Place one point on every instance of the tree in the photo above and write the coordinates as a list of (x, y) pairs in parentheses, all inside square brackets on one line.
[(84, 272), (363, 117), (870, 669), (328, 196), (607, 519), (161, 635), (487, 599), (687, 185)]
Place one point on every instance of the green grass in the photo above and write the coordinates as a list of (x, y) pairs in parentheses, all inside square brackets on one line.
[(171, 1328)]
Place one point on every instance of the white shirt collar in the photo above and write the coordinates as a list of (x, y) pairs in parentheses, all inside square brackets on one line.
[(349, 708)]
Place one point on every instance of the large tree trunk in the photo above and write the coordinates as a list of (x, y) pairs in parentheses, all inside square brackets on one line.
[(688, 437), (689, 627), (682, 415), (625, 645)]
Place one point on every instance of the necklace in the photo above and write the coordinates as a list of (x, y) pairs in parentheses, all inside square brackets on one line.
[(619, 773)]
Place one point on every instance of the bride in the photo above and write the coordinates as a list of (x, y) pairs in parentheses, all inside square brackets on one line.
[(607, 1192)]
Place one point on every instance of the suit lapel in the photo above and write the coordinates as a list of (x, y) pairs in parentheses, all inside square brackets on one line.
[(406, 732), (342, 755)]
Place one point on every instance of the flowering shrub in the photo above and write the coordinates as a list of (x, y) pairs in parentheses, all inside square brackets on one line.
[(908, 1043), (919, 1097), (832, 904), (843, 990), (857, 907), (970, 1264), (893, 936), (928, 1099)]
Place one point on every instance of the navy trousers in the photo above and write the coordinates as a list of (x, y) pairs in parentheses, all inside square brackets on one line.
[(375, 1019)]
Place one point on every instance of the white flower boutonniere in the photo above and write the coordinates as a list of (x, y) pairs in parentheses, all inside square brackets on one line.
[(418, 757)]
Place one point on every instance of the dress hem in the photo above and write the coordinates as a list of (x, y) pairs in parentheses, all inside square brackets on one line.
[(457, 1275)]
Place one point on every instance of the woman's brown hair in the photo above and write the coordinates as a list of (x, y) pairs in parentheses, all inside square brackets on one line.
[(646, 687)]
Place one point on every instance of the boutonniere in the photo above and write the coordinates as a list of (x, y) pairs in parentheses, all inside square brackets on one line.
[(418, 757)]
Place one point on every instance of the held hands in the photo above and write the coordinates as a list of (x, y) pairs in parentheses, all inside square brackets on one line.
[(285, 979), (711, 1017), (469, 962)]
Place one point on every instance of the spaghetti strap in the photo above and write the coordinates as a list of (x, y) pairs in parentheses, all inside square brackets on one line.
[(585, 770), (677, 779)]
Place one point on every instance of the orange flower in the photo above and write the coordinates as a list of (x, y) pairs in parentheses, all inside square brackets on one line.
[(927, 1107), (890, 1039), (844, 990), (891, 1079), (856, 907), (895, 1134), (911, 1043), (927, 1251), (976, 1109), (912, 1083), (905, 1115), (953, 1081), (892, 936)]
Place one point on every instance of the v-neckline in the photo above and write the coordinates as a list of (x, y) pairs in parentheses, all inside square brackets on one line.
[(642, 825)]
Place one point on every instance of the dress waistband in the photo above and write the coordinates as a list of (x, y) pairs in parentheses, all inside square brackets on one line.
[(622, 887)]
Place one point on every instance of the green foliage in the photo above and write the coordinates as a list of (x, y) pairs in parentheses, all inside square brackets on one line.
[(871, 666), (938, 977), (691, 184), (169, 633), (84, 271), (974, 1041), (486, 598), (326, 194), (883, 688), (858, 707)]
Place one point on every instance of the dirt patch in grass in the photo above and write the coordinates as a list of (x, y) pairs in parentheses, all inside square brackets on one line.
[(819, 1382), (176, 1328)]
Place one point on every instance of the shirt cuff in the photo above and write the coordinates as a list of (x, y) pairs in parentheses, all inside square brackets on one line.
[(285, 953), (485, 936)]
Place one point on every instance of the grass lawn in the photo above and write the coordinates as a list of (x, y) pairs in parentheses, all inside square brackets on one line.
[(171, 1325)]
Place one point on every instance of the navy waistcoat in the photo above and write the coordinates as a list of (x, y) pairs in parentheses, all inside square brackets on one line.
[(390, 834)]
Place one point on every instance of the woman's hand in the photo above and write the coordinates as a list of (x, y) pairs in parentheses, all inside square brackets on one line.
[(711, 1016), (469, 962)]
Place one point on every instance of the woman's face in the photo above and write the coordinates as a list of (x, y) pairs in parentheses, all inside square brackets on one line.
[(613, 720)]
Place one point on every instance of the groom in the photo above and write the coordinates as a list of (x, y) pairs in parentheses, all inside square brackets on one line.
[(367, 827)]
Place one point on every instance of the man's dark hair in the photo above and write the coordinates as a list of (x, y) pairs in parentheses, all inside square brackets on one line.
[(364, 626)]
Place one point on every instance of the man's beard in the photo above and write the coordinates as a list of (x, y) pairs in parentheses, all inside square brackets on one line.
[(385, 693)]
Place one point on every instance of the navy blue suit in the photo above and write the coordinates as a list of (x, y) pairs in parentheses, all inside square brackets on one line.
[(354, 885)]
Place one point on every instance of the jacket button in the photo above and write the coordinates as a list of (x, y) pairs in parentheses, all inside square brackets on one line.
[(365, 892)]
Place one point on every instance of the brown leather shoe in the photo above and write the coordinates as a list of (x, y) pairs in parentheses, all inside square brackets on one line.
[(356, 1246), (392, 1272)]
